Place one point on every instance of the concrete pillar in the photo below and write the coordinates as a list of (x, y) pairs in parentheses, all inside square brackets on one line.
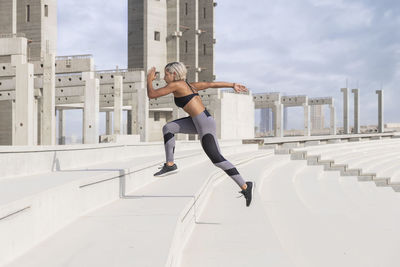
[(380, 111), (109, 129), (345, 92), (332, 119), (129, 121), (356, 111), (142, 109), (118, 95), (278, 119), (61, 127), (8, 16), (24, 95), (307, 128), (48, 120), (91, 109)]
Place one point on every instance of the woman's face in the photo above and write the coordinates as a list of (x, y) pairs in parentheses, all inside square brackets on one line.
[(168, 77)]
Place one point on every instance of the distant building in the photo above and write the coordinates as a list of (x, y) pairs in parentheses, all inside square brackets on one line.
[(164, 31)]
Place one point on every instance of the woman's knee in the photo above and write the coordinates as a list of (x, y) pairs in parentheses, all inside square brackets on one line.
[(167, 128)]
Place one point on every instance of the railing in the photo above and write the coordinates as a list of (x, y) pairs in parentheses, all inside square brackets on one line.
[(12, 35), (74, 57)]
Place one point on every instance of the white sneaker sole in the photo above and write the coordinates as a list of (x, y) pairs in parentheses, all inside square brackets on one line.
[(166, 174)]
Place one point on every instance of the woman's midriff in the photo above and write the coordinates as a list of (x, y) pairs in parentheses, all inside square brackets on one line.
[(194, 107)]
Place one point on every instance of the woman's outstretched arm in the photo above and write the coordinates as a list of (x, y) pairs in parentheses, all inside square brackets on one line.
[(205, 85), (151, 92)]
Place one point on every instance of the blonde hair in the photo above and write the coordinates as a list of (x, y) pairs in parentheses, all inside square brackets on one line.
[(178, 68)]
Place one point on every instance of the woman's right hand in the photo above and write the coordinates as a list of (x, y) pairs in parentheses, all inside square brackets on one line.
[(239, 88), (151, 75)]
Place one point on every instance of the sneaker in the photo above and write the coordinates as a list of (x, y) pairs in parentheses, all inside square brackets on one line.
[(248, 193), (167, 170)]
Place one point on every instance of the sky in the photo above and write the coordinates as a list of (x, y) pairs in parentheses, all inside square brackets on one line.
[(296, 47)]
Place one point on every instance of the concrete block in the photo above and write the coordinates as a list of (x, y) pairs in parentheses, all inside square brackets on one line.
[(365, 178), (355, 139), (313, 159), (282, 151), (13, 46), (338, 167), (334, 141), (312, 143), (379, 181), (298, 155), (351, 172), (290, 145)]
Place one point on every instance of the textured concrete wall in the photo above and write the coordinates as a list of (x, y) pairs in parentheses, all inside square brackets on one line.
[(189, 40), (136, 29), (7, 24), (237, 116), (206, 40), (173, 31), (155, 127), (40, 29), (6, 123)]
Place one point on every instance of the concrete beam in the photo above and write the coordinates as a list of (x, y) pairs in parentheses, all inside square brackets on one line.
[(332, 120), (91, 109), (142, 115), (118, 95), (13, 46), (356, 111), (48, 118), (346, 127), (24, 109), (380, 111), (278, 119), (61, 127), (307, 128)]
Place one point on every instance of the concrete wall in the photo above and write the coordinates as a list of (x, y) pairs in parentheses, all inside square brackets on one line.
[(155, 127), (189, 40), (206, 40), (144, 20), (40, 29), (236, 115), (6, 122), (136, 29), (6, 16)]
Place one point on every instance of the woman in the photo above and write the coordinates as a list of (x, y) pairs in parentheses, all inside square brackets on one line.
[(199, 122)]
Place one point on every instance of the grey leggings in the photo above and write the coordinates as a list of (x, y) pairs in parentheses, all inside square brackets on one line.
[(204, 125)]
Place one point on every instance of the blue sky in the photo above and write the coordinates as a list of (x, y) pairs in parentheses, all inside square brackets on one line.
[(311, 47)]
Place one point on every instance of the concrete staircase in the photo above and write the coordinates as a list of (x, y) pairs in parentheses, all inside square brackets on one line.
[(33, 208)]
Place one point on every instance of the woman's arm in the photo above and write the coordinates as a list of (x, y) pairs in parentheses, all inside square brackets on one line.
[(205, 85), (151, 92)]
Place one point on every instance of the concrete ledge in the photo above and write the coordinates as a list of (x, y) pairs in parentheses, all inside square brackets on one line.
[(312, 143)]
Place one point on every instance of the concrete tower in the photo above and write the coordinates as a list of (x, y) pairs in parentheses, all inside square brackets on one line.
[(175, 30), (37, 19)]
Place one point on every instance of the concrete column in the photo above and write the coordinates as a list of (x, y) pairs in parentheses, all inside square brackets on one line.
[(48, 120), (356, 111), (91, 109), (24, 95), (61, 127), (129, 121), (332, 119), (278, 119), (142, 109), (307, 128), (380, 111), (345, 92), (109, 128), (118, 95)]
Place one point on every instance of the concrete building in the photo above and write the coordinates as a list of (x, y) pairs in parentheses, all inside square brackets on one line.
[(164, 31), (317, 117)]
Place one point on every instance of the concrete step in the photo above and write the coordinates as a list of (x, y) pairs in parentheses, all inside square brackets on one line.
[(34, 207), (155, 218)]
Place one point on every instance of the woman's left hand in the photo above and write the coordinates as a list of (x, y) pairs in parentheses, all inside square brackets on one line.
[(151, 75), (239, 88)]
